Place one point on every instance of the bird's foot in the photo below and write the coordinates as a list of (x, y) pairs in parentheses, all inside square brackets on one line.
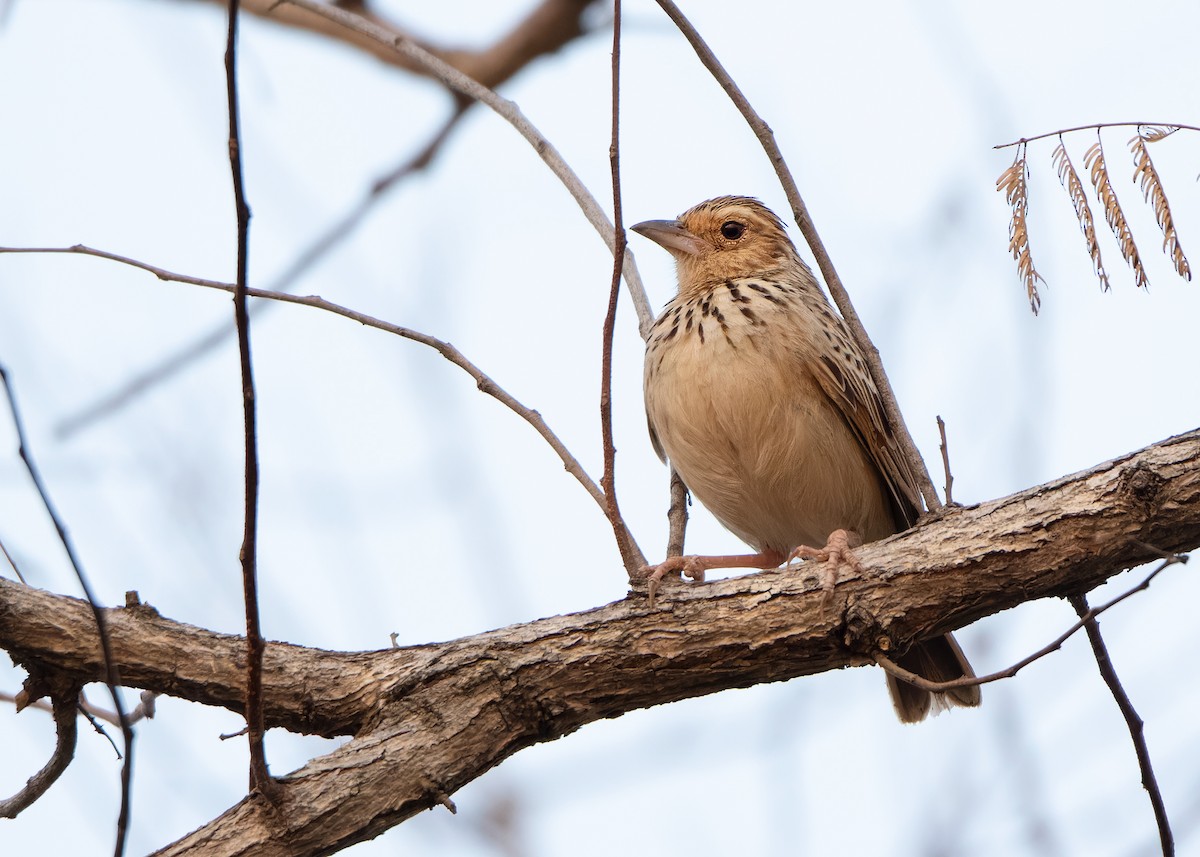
[(693, 566), (838, 551)]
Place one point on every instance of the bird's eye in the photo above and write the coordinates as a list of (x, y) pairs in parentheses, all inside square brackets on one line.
[(732, 230)]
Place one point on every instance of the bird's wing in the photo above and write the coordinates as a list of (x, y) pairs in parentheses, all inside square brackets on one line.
[(654, 441), (842, 375)]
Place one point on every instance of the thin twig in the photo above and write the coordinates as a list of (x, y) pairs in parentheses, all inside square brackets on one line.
[(112, 677), (941, 686), (1097, 126), (165, 369), (162, 273), (143, 711), (448, 351), (631, 555), (1132, 720), (97, 727), (412, 165), (260, 776), (677, 516), (66, 734), (508, 111), (944, 447), (804, 221), (9, 559)]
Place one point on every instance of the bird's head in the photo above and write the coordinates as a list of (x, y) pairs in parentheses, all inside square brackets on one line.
[(722, 239)]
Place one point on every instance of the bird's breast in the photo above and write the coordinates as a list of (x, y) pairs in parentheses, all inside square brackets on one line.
[(741, 417)]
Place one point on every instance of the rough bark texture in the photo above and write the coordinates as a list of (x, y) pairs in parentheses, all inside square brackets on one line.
[(426, 720)]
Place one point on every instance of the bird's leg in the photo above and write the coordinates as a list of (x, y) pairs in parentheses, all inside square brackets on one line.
[(838, 550), (694, 567)]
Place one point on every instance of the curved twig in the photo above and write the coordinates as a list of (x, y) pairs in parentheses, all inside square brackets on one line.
[(112, 677), (941, 686), (1136, 726), (8, 557), (66, 731), (1097, 126), (631, 555), (482, 380)]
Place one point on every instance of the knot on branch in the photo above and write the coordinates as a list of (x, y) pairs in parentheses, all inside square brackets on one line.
[(863, 633), (44, 682), (1142, 489)]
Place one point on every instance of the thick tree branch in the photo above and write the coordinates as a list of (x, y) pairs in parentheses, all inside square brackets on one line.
[(429, 719)]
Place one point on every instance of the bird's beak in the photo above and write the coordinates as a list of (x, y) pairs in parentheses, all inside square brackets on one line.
[(671, 236)]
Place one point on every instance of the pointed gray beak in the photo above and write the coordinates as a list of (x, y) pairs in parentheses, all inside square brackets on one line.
[(671, 236)]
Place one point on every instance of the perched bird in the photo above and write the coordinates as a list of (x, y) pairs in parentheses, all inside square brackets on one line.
[(763, 404)]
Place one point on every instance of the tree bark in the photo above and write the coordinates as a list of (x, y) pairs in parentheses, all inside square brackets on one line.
[(426, 720)]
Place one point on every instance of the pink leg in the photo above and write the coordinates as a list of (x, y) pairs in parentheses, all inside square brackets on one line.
[(694, 567)]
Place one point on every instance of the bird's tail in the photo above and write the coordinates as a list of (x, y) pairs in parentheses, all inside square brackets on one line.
[(938, 659)]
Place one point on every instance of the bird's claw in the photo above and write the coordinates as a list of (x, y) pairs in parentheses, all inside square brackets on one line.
[(838, 551), (690, 566)]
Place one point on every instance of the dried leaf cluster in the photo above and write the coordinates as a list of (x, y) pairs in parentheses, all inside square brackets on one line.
[(1094, 162), (1148, 179), (1083, 211), (1013, 182)]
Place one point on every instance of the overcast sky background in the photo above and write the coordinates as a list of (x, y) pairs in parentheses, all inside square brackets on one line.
[(395, 497)]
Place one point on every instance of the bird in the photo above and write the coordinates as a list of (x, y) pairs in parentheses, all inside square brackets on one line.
[(758, 397)]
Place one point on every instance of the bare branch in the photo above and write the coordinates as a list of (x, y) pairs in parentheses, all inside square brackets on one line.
[(482, 380), (945, 449), (111, 676), (144, 710), (943, 686), (677, 516), (545, 30), (64, 750), (1096, 126), (12, 562), (497, 692), (1132, 720), (260, 777), (631, 555)]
